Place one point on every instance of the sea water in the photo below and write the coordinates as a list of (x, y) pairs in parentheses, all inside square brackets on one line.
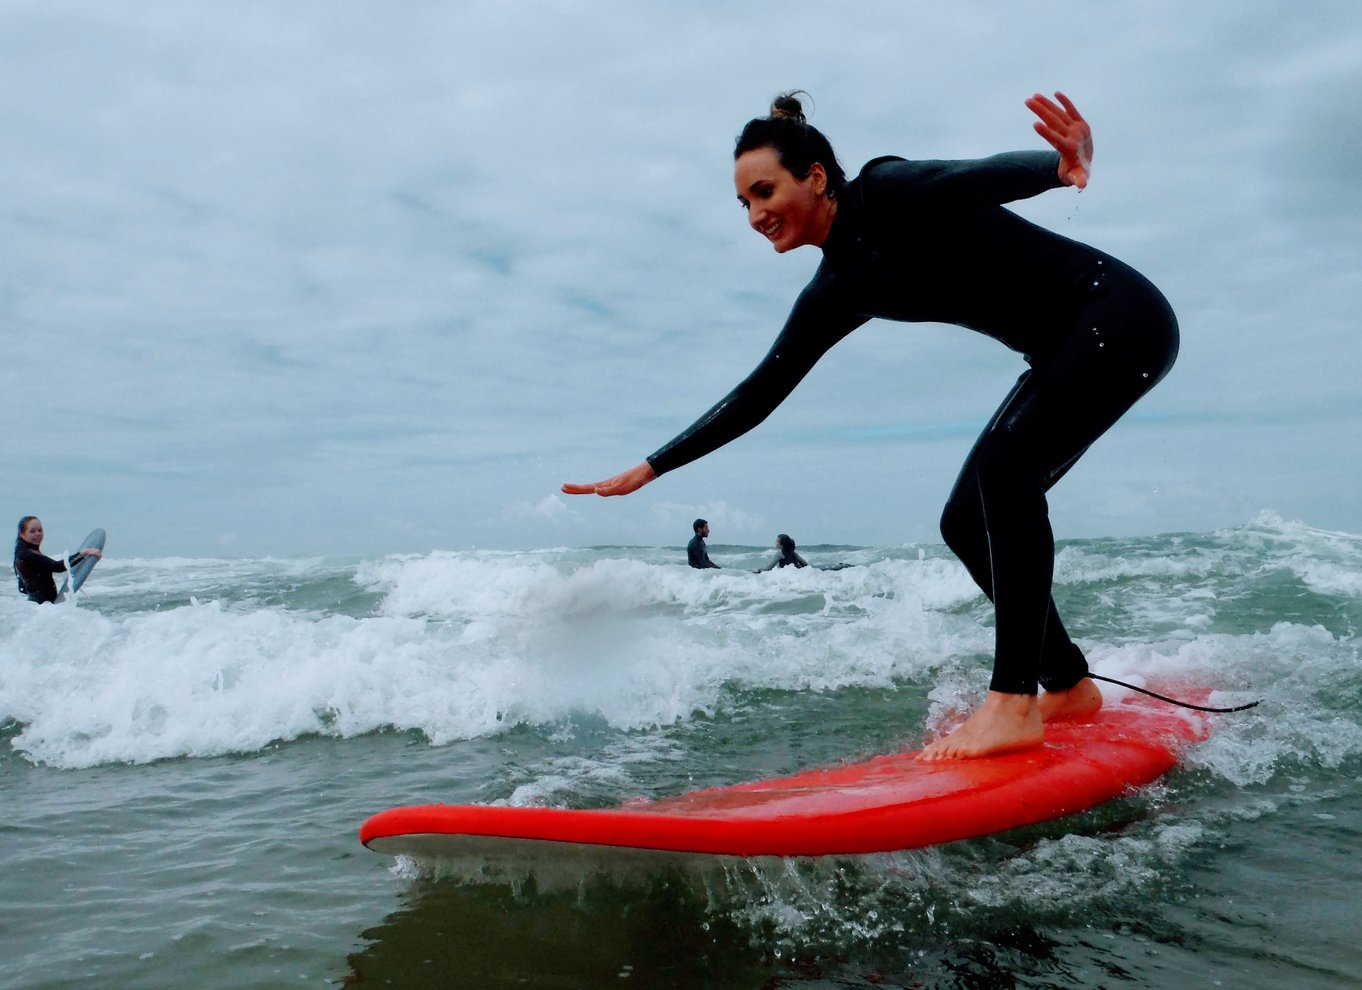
[(188, 749)]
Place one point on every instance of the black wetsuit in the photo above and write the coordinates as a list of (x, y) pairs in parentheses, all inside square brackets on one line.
[(787, 558), (929, 241), (696, 554), (35, 571)]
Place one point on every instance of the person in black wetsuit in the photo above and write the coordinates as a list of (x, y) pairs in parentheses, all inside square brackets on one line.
[(787, 558), (931, 241), (696, 554), (33, 569)]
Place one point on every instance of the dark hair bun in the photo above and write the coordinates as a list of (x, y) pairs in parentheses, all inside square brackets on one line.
[(799, 144), (787, 106)]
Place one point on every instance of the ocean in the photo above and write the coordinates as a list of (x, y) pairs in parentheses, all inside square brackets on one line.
[(188, 749)]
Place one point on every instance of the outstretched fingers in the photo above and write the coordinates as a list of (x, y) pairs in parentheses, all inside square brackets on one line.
[(1068, 106), (621, 484), (1050, 112), (1062, 126), (571, 489), (1067, 132)]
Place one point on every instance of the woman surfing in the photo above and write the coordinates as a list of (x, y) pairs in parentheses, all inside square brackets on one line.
[(930, 241)]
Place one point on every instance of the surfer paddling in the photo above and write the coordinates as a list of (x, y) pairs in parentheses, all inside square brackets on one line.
[(929, 241)]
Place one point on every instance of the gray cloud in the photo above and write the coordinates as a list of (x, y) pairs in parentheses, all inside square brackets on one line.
[(320, 277)]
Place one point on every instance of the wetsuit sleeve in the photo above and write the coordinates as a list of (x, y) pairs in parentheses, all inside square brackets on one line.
[(814, 325), (989, 181), (41, 563)]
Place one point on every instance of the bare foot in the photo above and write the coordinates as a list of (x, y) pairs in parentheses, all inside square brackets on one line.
[(1004, 722), (1080, 701)]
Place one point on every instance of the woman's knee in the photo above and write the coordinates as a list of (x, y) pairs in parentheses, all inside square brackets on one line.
[(960, 516)]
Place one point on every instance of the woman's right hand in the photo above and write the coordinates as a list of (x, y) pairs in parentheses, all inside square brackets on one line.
[(621, 484)]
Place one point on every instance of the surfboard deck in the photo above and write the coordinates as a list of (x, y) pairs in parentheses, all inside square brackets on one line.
[(81, 569), (880, 805)]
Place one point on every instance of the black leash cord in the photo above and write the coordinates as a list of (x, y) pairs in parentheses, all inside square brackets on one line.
[(1174, 701)]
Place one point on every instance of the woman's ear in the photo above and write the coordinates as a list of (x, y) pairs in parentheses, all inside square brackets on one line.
[(819, 176)]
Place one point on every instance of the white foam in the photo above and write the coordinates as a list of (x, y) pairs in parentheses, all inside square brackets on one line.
[(463, 645)]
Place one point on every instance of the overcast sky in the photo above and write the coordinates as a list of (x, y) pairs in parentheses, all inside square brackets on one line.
[(357, 277)]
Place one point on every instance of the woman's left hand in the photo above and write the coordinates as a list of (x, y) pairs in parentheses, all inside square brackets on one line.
[(1064, 127)]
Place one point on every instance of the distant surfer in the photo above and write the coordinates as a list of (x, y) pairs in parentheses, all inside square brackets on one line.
[(929, 241), (696, 554), (33, 569), (788, 555)]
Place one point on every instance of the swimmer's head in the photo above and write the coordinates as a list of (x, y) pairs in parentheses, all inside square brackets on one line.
[(698, 525), (785, 543), (31, 530), (787, 177), (799, 145)]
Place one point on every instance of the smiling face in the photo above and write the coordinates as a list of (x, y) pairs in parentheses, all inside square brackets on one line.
[(787, 211), (33, 533)]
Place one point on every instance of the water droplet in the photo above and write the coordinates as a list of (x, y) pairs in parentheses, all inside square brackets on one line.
[(1144, 374)]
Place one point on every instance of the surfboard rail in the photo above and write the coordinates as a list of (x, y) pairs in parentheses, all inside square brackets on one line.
[(80, 570)]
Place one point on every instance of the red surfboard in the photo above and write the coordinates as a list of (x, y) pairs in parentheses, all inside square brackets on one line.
[(883, 804)]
